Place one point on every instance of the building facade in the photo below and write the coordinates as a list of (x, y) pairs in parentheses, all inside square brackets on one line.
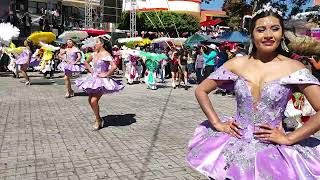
[(184, 6)]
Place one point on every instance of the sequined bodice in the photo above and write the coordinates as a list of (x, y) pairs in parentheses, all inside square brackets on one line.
[(100, 66), (274, 96), (72, 56), (26, 53), (269, 109)]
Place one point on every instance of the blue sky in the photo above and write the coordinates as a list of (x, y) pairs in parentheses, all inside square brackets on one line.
[(217, 5)]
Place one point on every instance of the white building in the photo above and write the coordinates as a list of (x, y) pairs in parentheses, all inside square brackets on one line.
[(185, 6)]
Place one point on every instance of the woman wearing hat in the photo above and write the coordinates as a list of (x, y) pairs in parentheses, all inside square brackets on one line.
[(209, 59)]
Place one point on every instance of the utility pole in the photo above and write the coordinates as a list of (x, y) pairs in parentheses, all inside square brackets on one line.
[(133, 15), (88, 14)]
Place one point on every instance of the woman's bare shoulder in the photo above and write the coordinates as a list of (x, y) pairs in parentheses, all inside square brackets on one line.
[(291, 64), (236, 63)]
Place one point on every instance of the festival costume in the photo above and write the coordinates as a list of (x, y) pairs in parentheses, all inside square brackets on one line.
[(35, 58), (298, 110), (92, 83), (24, 56), (70, 65), (220, 156), (131, 69)]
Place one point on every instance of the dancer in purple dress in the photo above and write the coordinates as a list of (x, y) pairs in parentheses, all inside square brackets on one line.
[(99, 82), (71, 64), (23, 60), (253, 144)]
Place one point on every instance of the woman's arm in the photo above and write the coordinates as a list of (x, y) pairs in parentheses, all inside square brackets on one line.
[(202, 91), (61, 53), (201, 94), (172, 56), (312, 93), (197, 59), (110, 72), (29, 57), (78, 57), (314, 63)]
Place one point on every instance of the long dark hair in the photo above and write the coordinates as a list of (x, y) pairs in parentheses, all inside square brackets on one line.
[(106, 44), (253, 24), (31, 45)]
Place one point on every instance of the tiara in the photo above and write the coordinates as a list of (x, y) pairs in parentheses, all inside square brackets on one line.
[(265, 8)]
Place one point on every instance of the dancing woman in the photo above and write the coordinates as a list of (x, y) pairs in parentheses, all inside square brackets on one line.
[(253, 144), (99, 82), (70, 65), (23, 60)]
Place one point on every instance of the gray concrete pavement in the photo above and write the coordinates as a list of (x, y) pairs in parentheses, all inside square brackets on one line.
[(45, 136)]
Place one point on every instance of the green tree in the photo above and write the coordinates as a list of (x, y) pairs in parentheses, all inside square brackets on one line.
[(235, 9), (281, 4), (162, 21)]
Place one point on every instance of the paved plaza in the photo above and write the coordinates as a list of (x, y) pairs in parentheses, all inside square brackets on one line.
[(45, 136)]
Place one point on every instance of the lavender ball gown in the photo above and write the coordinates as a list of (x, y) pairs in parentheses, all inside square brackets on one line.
[(220, 156), (94, 84), (68, 68), (24, 56)]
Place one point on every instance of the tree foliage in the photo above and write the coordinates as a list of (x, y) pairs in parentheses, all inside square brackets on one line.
[(236, 9), (162, 21)]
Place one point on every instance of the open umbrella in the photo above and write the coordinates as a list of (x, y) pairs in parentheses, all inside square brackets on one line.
[(125, 40), (236, 36), (76, 36), (196, 39), (46, 37), (95, 32)]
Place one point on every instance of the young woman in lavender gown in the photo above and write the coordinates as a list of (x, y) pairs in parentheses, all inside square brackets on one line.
[(71, 64), (99, 81), (23, 60), (253, 144)]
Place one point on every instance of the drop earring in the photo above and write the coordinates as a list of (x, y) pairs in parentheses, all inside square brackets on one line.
[(284, 46), (250, 47)]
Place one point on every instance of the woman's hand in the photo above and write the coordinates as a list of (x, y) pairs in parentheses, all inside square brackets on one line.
[(229, 127), (275, 135)]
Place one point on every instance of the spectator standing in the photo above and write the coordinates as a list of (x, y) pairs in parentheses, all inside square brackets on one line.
[(209, 59), (199, 65), (26, 22)]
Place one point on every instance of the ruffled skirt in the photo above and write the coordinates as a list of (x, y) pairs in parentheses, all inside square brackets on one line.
[(220, 156), (21, 61), (93, 84), (34, 62), (70, 68)]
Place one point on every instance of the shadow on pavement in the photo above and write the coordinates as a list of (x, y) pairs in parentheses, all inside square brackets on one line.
[(80, 94), (6, 74), (146, 161), (40, 82), (119, 120), (160, 86)]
